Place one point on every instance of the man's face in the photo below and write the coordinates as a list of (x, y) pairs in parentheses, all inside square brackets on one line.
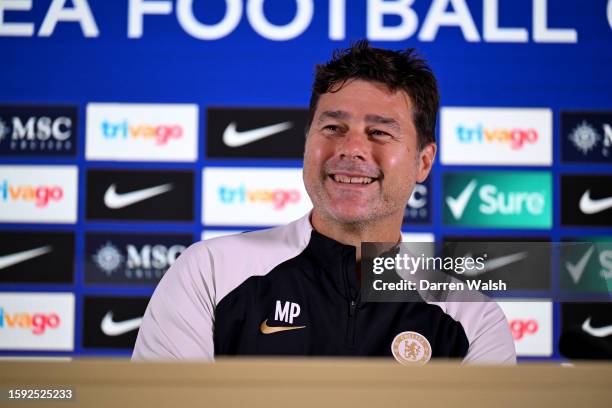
[(361, 159)]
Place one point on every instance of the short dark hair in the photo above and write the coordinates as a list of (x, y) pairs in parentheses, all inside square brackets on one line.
[(398, 70)]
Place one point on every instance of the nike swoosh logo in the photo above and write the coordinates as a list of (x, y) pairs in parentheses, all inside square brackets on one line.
[(497, 263), (112, 328), (596, 331), (115, 201), (577, 270), (589, 206), (457, 205), (233, 138), (19, 257), (265, 329)]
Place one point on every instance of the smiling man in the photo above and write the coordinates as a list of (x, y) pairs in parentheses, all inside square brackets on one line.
[(295, 289)]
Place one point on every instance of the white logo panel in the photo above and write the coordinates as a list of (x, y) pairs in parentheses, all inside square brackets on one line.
[(37, 321), (496, 136), (253, 196), (531, 326), (417, 237), (142, 132), (38, 194)]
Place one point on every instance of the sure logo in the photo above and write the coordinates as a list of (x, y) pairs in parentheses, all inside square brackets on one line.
[(279, 198), (499, 199), (588, 265), (38, 323), (514, 202), (39, 195), (161, 134)]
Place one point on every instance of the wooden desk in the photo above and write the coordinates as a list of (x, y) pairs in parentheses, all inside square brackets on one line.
[(310, 383)]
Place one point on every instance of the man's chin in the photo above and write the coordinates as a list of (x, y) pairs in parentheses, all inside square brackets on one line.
[(353, 216)]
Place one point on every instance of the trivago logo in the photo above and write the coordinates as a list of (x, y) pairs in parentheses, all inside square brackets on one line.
[(160, 133), (498, 199), (522, 327), (255, 196), (496, 136), (479, 134), (530, 322), (38, 322), (40, 195), (279, 198), (141, 132)]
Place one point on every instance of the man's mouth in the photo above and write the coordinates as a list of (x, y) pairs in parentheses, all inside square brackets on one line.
[(346, 179)]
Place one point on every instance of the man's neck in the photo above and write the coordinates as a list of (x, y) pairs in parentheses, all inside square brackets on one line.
[(383, 230)]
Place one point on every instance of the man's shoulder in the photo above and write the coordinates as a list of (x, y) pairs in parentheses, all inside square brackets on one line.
[(253, 244), (231, 259)]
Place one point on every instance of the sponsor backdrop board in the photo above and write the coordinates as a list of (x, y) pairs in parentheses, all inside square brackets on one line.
[(37, 257), (112, 322), (257, 196), (139, 132), (131, 259), (507, 136), (531, 326), (38, 130), (37, 321), (262, 134), (144, 195), (586, 265), (166, 119), (38, 194), (498, 199)]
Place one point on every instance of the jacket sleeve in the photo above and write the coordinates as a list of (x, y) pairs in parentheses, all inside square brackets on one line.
[(179, 320), (491, 341)]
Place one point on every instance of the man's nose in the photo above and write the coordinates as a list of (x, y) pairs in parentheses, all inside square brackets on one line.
[(354, 145)]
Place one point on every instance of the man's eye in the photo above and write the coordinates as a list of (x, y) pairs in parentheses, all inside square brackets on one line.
[(332, 128), (378, 133)]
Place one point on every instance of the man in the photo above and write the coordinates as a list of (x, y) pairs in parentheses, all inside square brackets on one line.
[(294, 289)]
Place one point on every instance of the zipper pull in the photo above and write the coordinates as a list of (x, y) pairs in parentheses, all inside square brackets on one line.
[(352, 307)]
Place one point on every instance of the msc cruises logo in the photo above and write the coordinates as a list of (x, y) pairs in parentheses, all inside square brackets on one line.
[(418, 209), (586, 137), (38, 130), (131, 258)]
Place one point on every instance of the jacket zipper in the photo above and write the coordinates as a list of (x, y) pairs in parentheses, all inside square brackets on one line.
[(352, 311)]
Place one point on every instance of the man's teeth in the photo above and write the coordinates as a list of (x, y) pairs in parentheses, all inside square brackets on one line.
[(352, 180)]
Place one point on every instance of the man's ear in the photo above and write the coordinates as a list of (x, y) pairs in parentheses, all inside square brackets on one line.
[(426, 159)]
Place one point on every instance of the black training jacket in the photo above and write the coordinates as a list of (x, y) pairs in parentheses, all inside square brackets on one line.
[(292, 291)]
